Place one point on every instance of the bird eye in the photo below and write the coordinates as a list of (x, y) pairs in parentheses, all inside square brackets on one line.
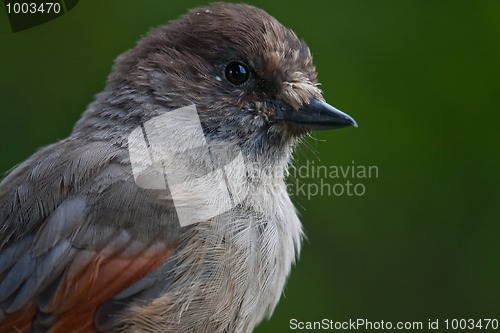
[(236, 72)]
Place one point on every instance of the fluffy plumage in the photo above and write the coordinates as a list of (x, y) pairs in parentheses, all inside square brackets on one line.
[(84, 249)]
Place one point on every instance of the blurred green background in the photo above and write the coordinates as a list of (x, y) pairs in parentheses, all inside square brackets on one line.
[(422, 78)]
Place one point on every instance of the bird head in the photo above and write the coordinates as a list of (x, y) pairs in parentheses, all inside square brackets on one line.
[(251, 79)]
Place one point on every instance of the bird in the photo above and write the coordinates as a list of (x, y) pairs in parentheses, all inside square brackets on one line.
[(97, 236)]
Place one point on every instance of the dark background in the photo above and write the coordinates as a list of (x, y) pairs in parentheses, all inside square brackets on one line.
[(422, 78)]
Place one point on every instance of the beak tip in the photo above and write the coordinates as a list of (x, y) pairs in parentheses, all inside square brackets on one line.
[(353, 122)]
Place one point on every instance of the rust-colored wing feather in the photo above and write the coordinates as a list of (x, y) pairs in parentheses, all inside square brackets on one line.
[(73, 234)]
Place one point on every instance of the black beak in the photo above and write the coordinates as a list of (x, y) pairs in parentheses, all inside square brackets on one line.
[(317, 115)]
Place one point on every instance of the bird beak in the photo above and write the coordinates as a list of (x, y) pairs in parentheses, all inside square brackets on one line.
[(317, 115)]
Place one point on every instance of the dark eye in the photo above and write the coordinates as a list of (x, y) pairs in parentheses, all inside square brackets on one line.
[(237, 73)]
